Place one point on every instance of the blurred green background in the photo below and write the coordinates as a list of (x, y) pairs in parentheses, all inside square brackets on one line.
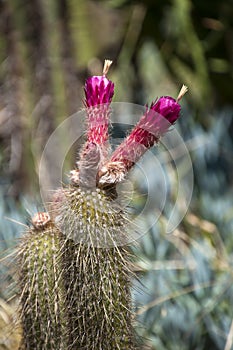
[(183, 297)]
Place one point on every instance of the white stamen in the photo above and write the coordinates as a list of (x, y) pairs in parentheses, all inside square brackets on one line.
[(182, 92), (107, 65)]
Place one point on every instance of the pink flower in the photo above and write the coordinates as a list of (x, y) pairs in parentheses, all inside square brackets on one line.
[(168, 107), (98, 90), (98, 95), (152, 125)]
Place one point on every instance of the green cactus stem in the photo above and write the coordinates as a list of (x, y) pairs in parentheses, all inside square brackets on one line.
[(42, 300), (98, 273)]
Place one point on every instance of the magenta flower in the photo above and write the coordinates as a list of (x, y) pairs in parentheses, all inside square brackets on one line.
[(98, 90), (98, 95), (152, 125), (168, 107)]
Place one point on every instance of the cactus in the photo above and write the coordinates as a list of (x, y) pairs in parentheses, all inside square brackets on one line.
[(99, 287), (98, 273), (75, 268), (42, 299), (99, 298)]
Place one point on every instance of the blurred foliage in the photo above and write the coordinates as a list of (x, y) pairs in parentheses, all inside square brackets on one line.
[(184, 293), (194, 39)]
